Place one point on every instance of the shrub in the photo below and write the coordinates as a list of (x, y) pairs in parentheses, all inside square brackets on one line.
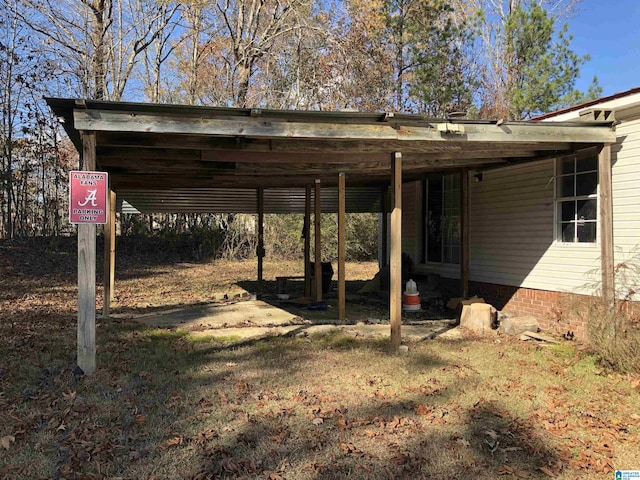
[(612, 326), (614, 335)]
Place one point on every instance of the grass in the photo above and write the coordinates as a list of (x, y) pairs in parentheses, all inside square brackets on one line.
[(178, 404)]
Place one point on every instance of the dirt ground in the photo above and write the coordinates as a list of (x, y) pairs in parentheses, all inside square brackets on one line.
[(181, 400)]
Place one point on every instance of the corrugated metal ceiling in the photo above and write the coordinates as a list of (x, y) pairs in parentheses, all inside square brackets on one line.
[(237, 200)]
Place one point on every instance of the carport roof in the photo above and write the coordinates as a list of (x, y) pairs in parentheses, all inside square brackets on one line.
[(176, 158)]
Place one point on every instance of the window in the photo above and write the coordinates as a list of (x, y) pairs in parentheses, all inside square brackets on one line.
[(442, 219), (577, 200)]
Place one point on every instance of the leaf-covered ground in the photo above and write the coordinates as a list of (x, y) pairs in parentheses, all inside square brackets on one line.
[(169, 404)]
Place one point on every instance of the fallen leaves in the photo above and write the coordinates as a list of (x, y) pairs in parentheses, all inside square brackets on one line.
[(547, 471), (6, 441), (173, 442), (349, 448), (463, 442), (237, 465), (9, 468), (509, 470), (227, 421)]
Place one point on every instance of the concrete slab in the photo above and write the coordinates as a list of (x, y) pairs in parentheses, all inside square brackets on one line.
[(241, 314), (256, 319)]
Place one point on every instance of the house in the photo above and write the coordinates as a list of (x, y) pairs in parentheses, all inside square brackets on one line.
[(535, 232)]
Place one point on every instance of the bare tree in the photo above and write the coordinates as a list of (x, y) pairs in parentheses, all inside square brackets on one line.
[(140, 24), (253, 27), (160, 50), (18, 75), (97, 42)]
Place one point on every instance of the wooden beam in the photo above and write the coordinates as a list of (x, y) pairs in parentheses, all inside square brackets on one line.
[(385, 227), (87, 273), (606, 225), (307, 240), (183, 141), (109, 256), (341, 247), (170, 142), (318, 243), (146, 153), (464, 233), (395, 289), (302, 168), (260, 248), (112, 251), (257, 127), (300, 164), (156, 182), (341, 150), (315, 159)]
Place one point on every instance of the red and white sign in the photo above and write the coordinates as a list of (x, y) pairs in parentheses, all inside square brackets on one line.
[(88, 197)]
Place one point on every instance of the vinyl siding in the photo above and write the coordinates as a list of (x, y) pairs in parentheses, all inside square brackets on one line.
[(511, 229), (512, 233), (626, 194)]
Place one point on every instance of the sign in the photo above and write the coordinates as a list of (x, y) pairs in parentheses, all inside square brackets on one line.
[(88, 197)]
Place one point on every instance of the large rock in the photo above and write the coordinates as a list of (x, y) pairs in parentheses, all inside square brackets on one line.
[(477, 317), (518, 325)]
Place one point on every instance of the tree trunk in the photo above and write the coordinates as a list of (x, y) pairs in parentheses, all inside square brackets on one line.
[(102, 18), (244, 75)]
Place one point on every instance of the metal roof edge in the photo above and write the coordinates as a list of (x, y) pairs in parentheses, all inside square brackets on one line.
[(65, 106)]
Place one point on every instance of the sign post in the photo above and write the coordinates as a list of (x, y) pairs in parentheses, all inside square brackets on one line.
[(88, 206), (88, 197)]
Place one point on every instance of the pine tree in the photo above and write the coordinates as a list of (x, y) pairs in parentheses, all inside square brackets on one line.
[(541, 69)]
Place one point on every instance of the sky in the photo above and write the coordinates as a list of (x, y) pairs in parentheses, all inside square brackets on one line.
[(609, 31)]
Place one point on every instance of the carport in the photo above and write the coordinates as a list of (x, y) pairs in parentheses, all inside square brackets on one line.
[(179, 159)]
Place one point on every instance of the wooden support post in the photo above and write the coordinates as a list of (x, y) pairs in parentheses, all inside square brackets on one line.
[(112, 250), (385, 228), (464, 233), (395, 290), (260, 248), (606, 226), (341, 246), (87, 273), (318, 243), (109, 255), (307, 241)]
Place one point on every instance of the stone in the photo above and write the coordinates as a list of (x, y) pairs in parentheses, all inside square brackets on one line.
[(518, 325)]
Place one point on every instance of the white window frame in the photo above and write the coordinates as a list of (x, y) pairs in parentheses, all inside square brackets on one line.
[(557, 222)]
